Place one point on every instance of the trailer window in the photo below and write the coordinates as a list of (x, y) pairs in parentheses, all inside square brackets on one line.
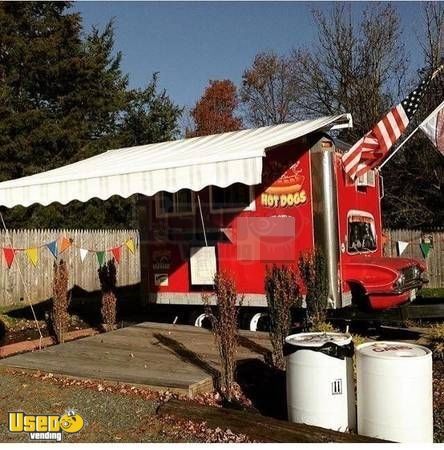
[(236, 197), (174, 203), (361, 234)]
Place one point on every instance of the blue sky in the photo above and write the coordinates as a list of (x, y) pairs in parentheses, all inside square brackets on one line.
[(189, 43)]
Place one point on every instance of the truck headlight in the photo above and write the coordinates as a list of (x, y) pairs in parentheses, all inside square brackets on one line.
[(416, 272), (399, 283)]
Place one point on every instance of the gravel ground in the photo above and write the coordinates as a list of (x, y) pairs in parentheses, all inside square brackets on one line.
[(108, 416), (120, 413), (438, 400)]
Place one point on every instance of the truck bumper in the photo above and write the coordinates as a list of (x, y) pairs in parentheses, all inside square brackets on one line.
[(391, 300)]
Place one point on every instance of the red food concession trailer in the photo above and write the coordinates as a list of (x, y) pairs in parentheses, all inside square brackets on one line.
[(303, 200)]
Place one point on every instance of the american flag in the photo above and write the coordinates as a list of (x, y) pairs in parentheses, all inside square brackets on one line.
[(371, 149)]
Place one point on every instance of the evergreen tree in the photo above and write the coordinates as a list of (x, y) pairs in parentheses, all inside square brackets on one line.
[(65, 98)]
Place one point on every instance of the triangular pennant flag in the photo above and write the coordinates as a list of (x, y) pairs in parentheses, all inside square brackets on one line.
[(433, 127), (402, 245), (33, 255), (100, 258), (425, 248), (83, 253), (64, 243), (130, 244), (9, 254), (53, 248), (116, 251)]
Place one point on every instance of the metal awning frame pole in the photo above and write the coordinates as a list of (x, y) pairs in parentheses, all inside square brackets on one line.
[(202, 220)]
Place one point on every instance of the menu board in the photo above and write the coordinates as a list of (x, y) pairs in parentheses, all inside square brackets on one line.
[(202, 265)]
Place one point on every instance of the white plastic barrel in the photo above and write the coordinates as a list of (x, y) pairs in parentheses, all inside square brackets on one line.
[(320, 388), (394, 391)]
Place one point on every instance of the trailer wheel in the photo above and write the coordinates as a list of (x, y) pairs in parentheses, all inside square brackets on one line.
[(200, 319), (259, 322)]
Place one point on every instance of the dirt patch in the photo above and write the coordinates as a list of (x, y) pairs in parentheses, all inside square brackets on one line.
[(19, 330), (118, 414)]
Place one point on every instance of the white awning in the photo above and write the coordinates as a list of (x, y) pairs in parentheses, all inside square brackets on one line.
[(220, 159)]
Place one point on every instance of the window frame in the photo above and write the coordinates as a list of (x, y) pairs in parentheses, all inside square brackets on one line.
[(250, 207), (161, 214), (356, 212)]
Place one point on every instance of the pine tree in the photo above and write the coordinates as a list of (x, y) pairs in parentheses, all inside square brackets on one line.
[(64, 98)]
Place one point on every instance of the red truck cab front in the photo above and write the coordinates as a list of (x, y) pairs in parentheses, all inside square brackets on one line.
[(376, 281)]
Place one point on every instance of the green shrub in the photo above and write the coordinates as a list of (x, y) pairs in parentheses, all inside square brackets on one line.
[(224, 323), (313, 271), (108, 279), (358, 339), (282, 293), (322, 327), (60, 300)]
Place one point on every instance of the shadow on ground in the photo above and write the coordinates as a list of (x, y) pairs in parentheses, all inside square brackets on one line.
[(254, 347), (264, 386), (86, 305), (187, 355)]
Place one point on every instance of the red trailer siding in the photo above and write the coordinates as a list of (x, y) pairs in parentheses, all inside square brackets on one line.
[(270, 201)]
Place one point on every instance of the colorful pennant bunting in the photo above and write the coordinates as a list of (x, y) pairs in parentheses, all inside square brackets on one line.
[(53, 248), (116, 251), (33, 255), (100, 258), (425, 248), (83, 253), (402, 245), (9, 254), (130, 244), (65, 243)]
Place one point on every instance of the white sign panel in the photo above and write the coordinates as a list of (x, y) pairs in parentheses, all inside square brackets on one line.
[(202, 265)]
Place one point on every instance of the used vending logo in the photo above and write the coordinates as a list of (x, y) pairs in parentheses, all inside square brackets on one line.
[(42, 427)]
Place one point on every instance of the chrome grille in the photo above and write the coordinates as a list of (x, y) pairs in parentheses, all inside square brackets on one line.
[(409, 273)]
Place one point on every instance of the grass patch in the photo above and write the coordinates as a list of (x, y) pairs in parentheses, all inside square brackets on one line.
[(358, 339), (436, 338), (321, 326), (9, 308), (431, 293), (11, 320)]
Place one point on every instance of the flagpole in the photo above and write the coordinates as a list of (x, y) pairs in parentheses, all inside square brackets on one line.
[(399, 147), (441, 105)]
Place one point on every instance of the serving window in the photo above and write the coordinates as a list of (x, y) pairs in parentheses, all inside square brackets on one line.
[(236, 197), (178, 203), (361, 232)]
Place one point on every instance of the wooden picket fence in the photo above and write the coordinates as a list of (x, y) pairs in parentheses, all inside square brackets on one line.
[(435, 258), (38, 279)]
